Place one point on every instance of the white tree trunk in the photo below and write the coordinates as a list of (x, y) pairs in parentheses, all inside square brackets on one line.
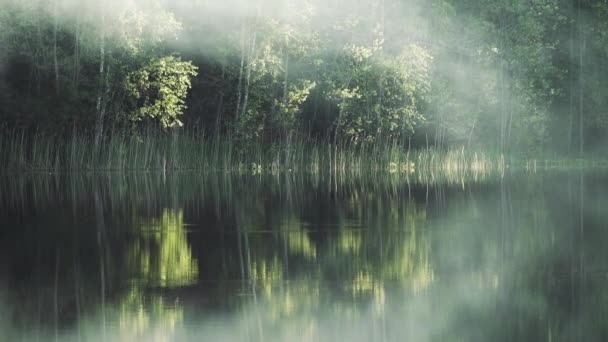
[(100, 107), (55, 61)]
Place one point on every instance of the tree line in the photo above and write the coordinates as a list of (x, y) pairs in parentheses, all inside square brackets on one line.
[(511, 76)]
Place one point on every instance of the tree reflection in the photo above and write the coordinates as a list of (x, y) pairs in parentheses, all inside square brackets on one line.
[(150, 318), (161, 256), (288, 258), (372, 243)]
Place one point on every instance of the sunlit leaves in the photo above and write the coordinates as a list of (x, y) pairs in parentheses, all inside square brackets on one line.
[(159, 89), (291, 105), (382, 98)]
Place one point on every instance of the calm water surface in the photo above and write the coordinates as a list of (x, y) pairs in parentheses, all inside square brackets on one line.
[(292, 257)]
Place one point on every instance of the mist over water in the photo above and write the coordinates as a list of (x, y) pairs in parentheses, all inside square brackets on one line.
[(318, 170), (298, 257)]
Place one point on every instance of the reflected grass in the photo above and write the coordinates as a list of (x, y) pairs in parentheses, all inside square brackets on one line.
[(379, 257), (154, 150), (157, 190)]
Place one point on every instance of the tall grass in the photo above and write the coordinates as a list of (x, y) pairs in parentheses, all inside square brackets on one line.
[(154, 150)]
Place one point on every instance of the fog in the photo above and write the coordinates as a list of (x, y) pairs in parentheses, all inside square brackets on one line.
[(278, 170), (259, 259), (470, 92)]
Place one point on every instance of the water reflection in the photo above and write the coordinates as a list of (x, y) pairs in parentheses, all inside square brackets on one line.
[(148, 318), (287, 257), (160, 256)]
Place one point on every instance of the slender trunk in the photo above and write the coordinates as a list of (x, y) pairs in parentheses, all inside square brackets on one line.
[(55, 62), (40, 56), (571, 104), (502, 94), (285, 94), (581, 82), (285, 82), (250, 58), (220, 107), (217, 136), (218, 114), (101, 88), (510, 123), (471, 133), (502, 109), (338, 123), (77, 53), (239, 85), (436, 136), (103, 107)]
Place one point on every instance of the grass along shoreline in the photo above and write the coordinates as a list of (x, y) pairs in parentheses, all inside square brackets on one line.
[(190, 151), (158, 151)]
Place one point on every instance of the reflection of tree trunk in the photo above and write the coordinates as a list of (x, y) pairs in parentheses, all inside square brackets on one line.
[(240, 250), (242, 266), (100, 224), (77, 294), (581, 240), (503, 223), (572, 238), (75, 260), (380, 231), (253, 290), (55, 296), (502, 235), (582, 220), (38, 281)]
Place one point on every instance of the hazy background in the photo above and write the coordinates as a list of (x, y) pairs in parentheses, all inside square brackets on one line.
[(523, 76)]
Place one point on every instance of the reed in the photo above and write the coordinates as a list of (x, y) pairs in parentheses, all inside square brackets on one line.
[(154, 150)]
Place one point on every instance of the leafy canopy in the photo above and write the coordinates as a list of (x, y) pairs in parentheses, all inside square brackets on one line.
[(159, 89)]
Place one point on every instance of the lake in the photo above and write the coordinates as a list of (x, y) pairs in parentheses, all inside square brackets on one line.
[(518, 256)]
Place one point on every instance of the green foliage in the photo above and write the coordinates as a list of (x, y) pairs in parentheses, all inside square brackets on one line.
[(515, 75), (160, 88), (291, 105), (384, 95)]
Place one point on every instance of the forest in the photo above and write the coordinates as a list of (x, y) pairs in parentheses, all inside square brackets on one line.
[(271, 75)]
